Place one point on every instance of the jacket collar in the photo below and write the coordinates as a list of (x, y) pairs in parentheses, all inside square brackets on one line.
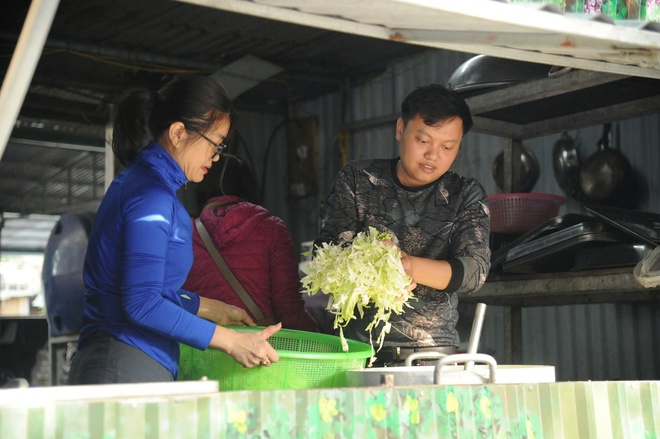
[(155, 157)]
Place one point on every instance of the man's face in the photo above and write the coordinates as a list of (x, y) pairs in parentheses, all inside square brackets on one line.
[(427, 152)]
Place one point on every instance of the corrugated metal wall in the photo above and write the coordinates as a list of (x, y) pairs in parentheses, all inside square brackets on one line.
[(583, 342), (598, 342)]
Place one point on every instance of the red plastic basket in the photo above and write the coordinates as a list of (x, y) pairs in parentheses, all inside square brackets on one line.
[(518, 213)]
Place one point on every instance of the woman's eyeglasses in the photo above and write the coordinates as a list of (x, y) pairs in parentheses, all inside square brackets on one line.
[(219, 147)]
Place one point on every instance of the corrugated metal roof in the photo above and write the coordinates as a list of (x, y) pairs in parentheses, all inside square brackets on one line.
[(533, 31), (50, 177), (54, 161), (96, 49), (105, 47), (25, 233)]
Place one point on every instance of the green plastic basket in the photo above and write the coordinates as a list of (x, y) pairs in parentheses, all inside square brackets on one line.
[(307, 360)]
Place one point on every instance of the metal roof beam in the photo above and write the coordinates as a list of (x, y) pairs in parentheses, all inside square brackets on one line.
[(23, 64), (488, 27)]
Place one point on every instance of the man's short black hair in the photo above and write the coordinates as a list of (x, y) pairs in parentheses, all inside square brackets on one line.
[(436, 104)]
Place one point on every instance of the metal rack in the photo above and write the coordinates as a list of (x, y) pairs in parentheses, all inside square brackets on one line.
[(567, 100), (570, 100), (574, 99), (514, 292)]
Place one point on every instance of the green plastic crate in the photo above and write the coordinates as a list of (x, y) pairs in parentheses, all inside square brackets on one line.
[(307, 360)]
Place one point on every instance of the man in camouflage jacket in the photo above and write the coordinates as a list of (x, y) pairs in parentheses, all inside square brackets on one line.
[(440, 220)]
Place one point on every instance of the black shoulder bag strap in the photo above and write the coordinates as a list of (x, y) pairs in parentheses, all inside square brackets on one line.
[(229, 275)]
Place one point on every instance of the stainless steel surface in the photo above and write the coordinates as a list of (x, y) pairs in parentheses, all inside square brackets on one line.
[(425, 355), (473, 343), (453, 377), (450, 370), (394, 376)]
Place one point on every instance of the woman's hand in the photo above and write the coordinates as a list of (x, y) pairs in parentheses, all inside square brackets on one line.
[(248, 348), (222, 313)]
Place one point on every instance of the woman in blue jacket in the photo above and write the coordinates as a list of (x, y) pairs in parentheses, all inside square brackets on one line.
[(140, 246)]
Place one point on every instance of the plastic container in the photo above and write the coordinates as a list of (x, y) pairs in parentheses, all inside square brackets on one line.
[(518, 213), (62, 278), (647, 271), (307, 360)]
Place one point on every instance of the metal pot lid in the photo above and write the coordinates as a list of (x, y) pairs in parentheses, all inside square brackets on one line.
[(482, 72)]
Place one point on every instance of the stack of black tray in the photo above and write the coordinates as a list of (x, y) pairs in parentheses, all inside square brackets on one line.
[(610, 237)]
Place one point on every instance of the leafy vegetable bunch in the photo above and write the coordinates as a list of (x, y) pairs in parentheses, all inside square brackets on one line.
[(361, 273)]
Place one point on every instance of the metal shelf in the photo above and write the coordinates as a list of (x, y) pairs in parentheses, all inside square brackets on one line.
[(514, 292), (550, 289), (571, 100)]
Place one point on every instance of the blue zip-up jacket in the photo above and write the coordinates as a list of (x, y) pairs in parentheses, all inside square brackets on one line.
[(138, 256)]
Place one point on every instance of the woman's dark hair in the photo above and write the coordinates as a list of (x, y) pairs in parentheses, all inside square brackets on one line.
[(231, 176), (198, 101), (435, 104)]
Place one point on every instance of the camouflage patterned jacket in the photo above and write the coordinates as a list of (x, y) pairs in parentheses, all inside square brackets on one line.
[(444, 220)]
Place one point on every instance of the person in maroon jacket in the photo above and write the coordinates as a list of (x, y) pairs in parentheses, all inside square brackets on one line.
[(255, 244)]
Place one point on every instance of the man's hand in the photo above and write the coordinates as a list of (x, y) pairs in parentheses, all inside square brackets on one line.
[(406, 263), (222, 313)]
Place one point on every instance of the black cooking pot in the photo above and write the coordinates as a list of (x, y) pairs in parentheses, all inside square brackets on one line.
[(606, 176)]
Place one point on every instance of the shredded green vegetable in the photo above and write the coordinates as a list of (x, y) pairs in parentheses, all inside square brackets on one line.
[(362, 273)]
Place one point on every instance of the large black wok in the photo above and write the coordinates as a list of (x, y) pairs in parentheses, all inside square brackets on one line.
[(606, 177)]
